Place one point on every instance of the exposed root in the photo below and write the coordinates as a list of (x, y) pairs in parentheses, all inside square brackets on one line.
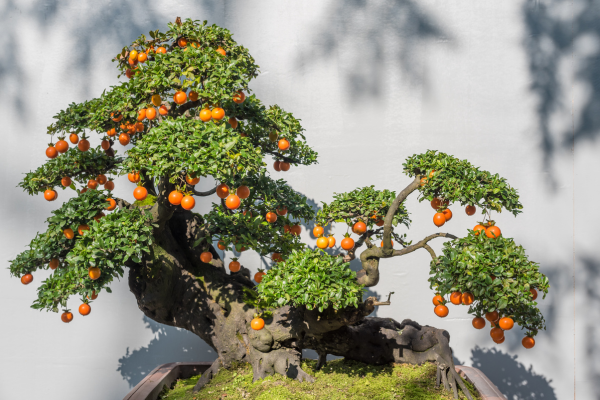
[(283, 361), (208, 374)]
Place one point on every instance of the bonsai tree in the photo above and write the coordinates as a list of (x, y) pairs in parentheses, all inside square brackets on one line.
[(186, 113)]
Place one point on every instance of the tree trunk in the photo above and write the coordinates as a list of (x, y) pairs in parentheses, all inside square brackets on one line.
[(172, 286)]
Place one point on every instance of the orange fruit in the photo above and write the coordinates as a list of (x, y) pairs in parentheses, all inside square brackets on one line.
[(129, 73), (139, 127), (61, 146), (161, 50), (232, 202), (467, 298), (221, 245), (82, 228), (534, 293), (441, 311), (53, 264), (285, 166), (437, 300), (218, 113), (124, 139), (141, 114), (322, 242), (133, 54), (287, 228), (496, 334), (258, 277), (439, 219), (94, 295), (66, 317), (239, 97), (492, 316), (478, 323), (193, 96), (92, 184), (277, 166), (276, 257), (318, 230), (423, 181), (192, 181), (233, 122), (101, 179), (156, 100), (379, 222), (436, 203), (112, 204), (133, 177), (26, 279), (448, 214), (499, 341), (110, 185), (94, 273), (51, 152), (182, 42), (243, 192), (151, 113), (111, 132), (205, 115), (188, 202), (331, 240), (470, 210), (478, 228), (281, 211), (347, 243), (528, 342), (222, 190), (85, 309), (142, 57), (175, 197), (65, 181), (206, 257), (140, 193), (492, 232), (235, 266), (296, 230), (359, 228), (271, 217), (221, 51), (257, 324), (118, 118), (69, 234), (506, 323), (105, 144), (283, 144), (180, 97), (163, 110), (50, 195), (74, 138), (456, 298)]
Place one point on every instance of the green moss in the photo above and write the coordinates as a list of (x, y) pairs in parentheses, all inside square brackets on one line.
[(148, 201), (340, 379)]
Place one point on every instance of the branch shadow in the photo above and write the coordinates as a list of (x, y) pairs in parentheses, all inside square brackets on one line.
[(169, 345)]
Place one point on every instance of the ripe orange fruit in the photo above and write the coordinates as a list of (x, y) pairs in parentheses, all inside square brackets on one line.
[(94, 273), (247, 212), (234, 266), (347, 243), (116, 118), (436, 203), (141, 114), (232, 202), (62, 146), (53, 264), (133, 54), (65, 181), (105, 144), (492, 232), (85, 309), (222, 190), (448, 214), (499, 341), (151, 113), (456, 298), (192, 181), (180, 97), (322, 242), (111, 132), (233, 122), (161, 50), (129, 73), (26, 279), (287, 228), (101, 179), (478, 323), (534, 293), (92, 184), (193, 96), (175, 197), (281, 211), (112, 204), (156, 100), (257, 324), (243, 192), (506, 323), (140, 193), (470, 210), (478, 228), (276, 257), (277, 166), (379, 222), (124, 139), (331, 240), (283, 144), (182, 42), (142, 57), (271, 217), (285, 166), (205, 115), (437, 300), (51, 152), (467, 298), (206, 257), (496, 334), (221, 245), (258, 277), (98, 216), (221, 51), (318, 230), (492, 316), (423, 181), (163, 110), (359, 228), (439, 219), (110, 185), (441, 311), (83, 190), (296, 230), (528, 342), (74, 138), (133, 177), (94, 295), (82, 228), (188, 202), (218, 113), (50, 195), (69, 234), (66, 317), (139, 127), (239, 97)]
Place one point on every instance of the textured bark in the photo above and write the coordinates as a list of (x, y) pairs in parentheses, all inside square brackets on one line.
[(172, 286)]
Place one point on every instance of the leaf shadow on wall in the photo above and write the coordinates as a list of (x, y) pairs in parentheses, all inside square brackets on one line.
[(559, 33), (390, 31), (169, 345)]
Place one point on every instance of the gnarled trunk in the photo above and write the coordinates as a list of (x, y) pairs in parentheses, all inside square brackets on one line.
[(172, 286)]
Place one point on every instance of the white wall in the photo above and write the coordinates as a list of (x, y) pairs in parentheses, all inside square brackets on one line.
[(509, 85)]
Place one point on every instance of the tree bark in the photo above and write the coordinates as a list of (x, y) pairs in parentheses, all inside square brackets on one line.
[(172, 286)]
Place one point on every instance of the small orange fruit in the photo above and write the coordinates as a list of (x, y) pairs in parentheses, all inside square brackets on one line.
[(193, 96), (232, 202), (112, 204), (318, 230), (437, 300), (163, 110), (271, 217), (74, 138), (448, 214), (206, 257), (205, 115), (53, 264), (506, 323), (66, 317), (26, 279), (221, 51), (534, 293), (322, 242), (441, 311), (94, 273), (239, 97), (283, 144), (51, 152), (124, 139), (180, 97), (528, 342), (281, 211), (235, 266), (478, 228), (257, 324), (65, 181), (156, 100), (456, 298), (151, 113), (222, 191), (218, 113), (470, 210), (188, 202), (175, 197), (192, 181), (478, 323), (69, 234), (85, 309), (62, 146), (243, 192), (258, 277), (492, 316), (331, 240), (347, 243), (140, 193), (492, 232), (439, 219), (467, 298)]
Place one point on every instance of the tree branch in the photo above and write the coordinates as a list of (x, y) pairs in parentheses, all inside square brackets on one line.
[(422, 244), (387, 224), (284, 158), (204, 194)]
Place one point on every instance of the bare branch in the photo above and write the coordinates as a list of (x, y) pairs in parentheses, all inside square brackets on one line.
[(204, 194), (422, 244), (387, 226), (384, 303)]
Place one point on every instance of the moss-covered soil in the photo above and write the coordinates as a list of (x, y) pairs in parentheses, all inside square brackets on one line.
[(339, 379)]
